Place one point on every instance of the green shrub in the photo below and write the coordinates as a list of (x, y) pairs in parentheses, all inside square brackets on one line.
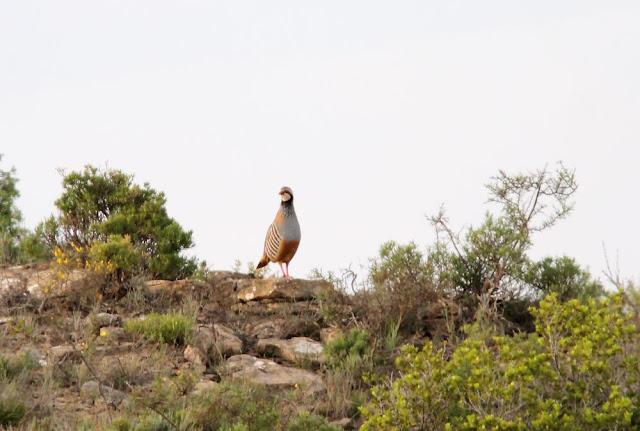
[(101, 210), (12, 410), (10, 216), (172, 328), (236, 407), (348, 348), (12, 366), (306, 421), (578, 371)]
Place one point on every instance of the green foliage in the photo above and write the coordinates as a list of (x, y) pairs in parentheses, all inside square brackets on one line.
[(564, 277), (172, 328), (578, 371), (402, 282), (234, 407), (13, 366), (305, 421), (116, 256), (12, 410), (105, 206), (348, 348), (10, 216)]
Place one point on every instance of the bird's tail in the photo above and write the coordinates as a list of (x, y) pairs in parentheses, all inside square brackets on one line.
[(263, 262)]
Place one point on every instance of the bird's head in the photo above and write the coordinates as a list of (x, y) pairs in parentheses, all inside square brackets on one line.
[(286, 194)]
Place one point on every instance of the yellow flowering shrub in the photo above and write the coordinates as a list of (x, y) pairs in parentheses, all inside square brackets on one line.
[(578, 371)]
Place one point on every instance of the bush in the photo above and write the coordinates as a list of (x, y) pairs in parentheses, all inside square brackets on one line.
[(172, 328), (12, 410), (348, 348), (104, 215), (579, 370), (402, 283), (13, 366), (10, 216), (305, 421)]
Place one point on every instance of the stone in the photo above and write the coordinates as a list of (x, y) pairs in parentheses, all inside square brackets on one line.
[(217, 342), (329, 334), (105, 319), (173, 288), (270, 374), (272, 328), (94, 391), (194, 356), (40, 281), (297, 349), (281, 289), (63, 354)]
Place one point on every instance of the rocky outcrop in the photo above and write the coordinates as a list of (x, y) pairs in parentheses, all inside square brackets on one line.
[(281, 289), (40, 281), (268, 373), (297, 349), (217, 342)]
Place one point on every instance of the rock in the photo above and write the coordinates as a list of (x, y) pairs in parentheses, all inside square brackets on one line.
[(265, 372), (273, 328), (173, 288), (95, 391), (329, 334), (64, 354), (105, 319), (39, 281), (278, 327), (48, 281), (217, 342), (297, 349), (194, 356), (280, 288)]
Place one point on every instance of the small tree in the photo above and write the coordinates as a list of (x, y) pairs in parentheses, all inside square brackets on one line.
[(118, 227), (492, 259), (10, 216)]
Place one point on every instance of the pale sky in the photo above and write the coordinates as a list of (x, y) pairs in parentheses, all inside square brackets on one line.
[(375, 113)]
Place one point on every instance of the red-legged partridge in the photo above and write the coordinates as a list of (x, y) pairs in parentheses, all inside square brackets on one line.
[(283, 236)]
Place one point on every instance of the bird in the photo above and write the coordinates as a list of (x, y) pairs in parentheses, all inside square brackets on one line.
[(283, 235)]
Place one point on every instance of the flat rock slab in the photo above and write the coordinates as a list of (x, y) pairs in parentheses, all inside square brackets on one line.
[(268, 373), (297, 349), (281, 289)]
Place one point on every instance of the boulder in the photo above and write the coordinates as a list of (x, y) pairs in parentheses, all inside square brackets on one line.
[(64, 354), (194, 356), (216, 342), (281, 289), (297, 349), (105, 319), (265, 372), (94, 391), (40, 281)]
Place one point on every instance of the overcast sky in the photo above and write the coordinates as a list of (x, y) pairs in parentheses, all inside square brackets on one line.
[(375, 113)]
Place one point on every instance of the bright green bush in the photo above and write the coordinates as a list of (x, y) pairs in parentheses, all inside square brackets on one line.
[(306, 421), (578, 371), (105, 207), (172, 328)]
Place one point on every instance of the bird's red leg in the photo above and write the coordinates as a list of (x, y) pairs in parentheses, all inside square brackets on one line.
[(284, 275), (286, 266)]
